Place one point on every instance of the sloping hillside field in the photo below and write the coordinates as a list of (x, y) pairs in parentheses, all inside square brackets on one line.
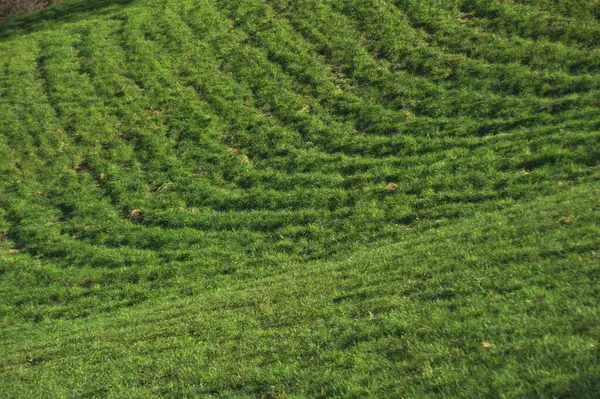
[(273, 199)]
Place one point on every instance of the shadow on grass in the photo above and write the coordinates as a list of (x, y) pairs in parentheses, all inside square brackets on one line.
[(586, 386), (71, 11)]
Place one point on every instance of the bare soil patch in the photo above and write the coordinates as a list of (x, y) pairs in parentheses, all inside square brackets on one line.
[(13, 8)]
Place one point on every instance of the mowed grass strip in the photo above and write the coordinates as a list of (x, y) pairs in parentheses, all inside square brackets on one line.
[(310, 199), (500, 304)]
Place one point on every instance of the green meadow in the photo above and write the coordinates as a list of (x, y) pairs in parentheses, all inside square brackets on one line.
[(300, 199)]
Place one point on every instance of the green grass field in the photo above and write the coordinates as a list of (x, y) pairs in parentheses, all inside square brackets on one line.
[(300, 199)]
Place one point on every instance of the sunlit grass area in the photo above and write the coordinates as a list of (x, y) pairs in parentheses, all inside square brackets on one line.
[(359, 198)]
